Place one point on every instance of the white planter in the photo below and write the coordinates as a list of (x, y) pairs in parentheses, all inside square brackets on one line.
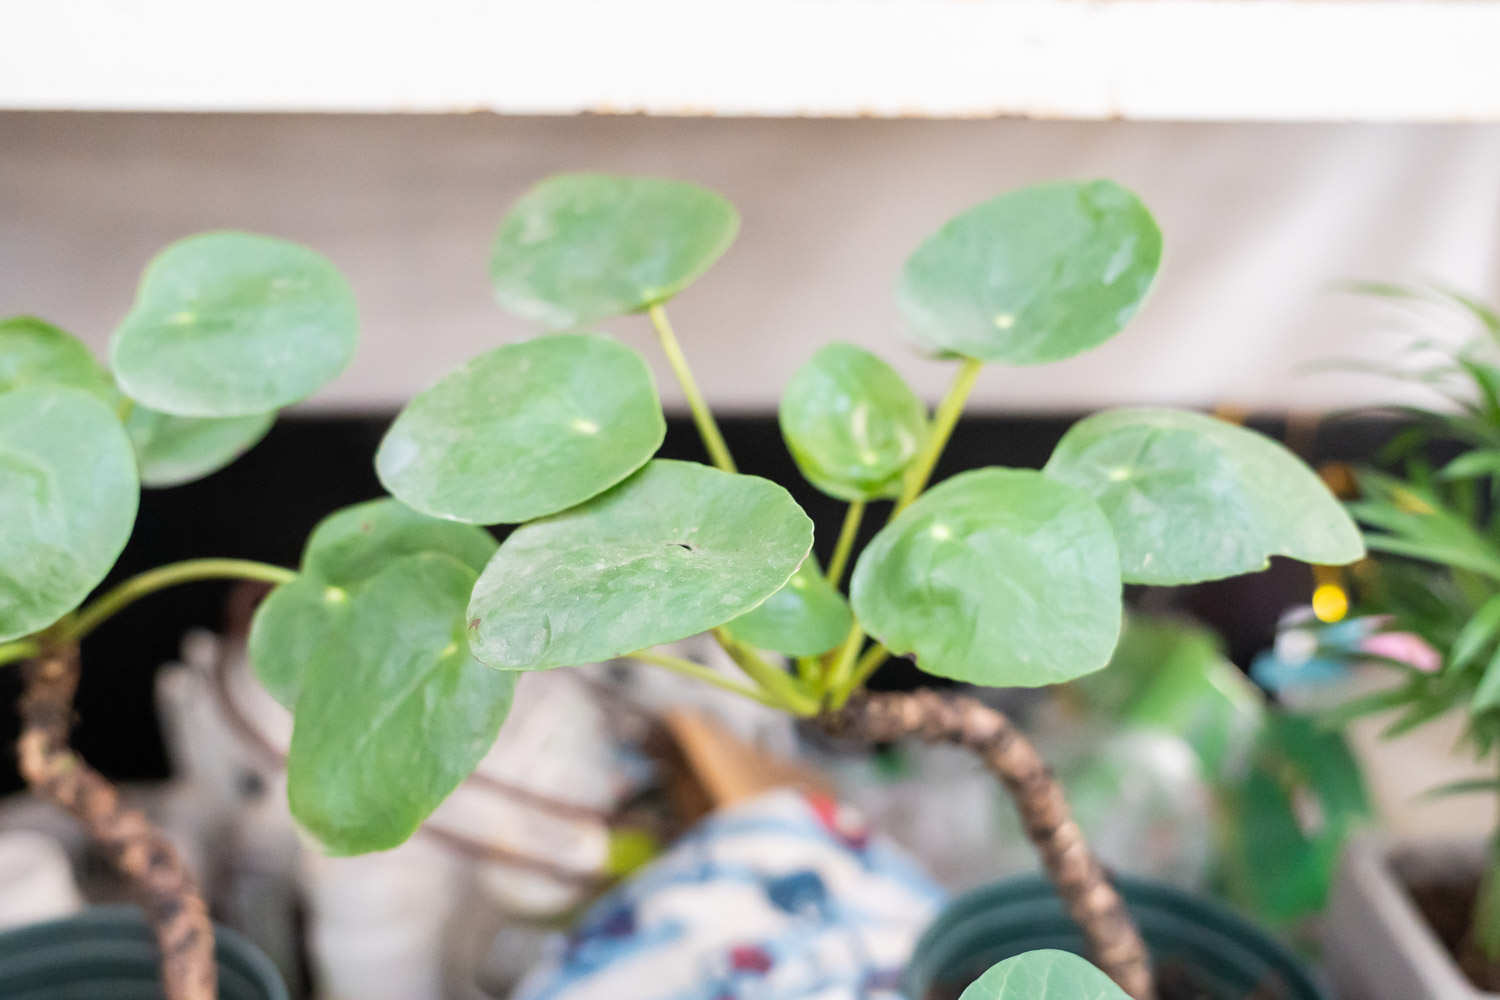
[(1379, 946)]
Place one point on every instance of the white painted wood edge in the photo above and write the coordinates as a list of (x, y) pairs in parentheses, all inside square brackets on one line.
[(1092, 59)]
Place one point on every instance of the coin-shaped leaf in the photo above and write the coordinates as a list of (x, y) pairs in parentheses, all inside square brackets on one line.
[(674, 550), (1000, 577), (346, 549), (394, 711), (524, 431), (806, 617), (1046, 974), (176, 450), (68, 497), (851, 423), (581, 247), (1194, 498), (232, 324), (1036, 275), (35, 352)]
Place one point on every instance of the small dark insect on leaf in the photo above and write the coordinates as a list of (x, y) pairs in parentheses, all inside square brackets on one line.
[(473, 623)]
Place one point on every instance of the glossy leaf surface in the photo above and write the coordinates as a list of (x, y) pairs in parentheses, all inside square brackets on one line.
[(1032, 276), (34, 352), (851, 423), (394, 712), (806, 617), (232, 324), (346, 549), (524, 431), (68, 497), (1044, 975), (1000, 577), (583, 246), (674, 550), (1193, 498), (176, 450)]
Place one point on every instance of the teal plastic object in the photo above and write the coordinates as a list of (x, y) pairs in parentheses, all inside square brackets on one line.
[(109, 953), (1225, 955)]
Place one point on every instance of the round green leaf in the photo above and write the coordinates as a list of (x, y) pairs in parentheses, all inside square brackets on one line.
[(345, 550), (357, 542), (851, 423), (394, 712), (999, 577), (582, 247), (1046, 974), (1036, 275), (524, 431), (34, 352), (68, 496), (1193, 498), (176, 450), (233, 325), (288, 627), (674, 550), (806, 617)]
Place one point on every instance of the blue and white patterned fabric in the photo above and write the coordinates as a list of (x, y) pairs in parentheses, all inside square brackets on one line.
[(784, 897)]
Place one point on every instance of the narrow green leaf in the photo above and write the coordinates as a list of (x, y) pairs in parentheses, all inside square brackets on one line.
[(1044, 975), (1472, 465), (851, 423), (345, 550), (524, 431), (806, 617), (1476, 635), (234, 325), (1192, 498), (582, 247), (1032, 276), (1001, 577), (393, 712), (676, 549), (68, 497), (1474, 786), (34, 352), (176, 450), (1487, 694)]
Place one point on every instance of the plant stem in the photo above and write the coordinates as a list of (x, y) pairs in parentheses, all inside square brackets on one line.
[(708, 429), (1079, 879), (699, 672), (21, 649), (943, 421), (775, 682), (845, 545), (133, 589), (138, 850), (841, 669), (867, 665)]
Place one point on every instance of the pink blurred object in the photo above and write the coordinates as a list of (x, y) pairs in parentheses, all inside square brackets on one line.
[(1404, 647)]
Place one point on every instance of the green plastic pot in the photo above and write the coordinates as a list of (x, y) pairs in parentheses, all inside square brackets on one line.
[(1225, 954), (109, 953)]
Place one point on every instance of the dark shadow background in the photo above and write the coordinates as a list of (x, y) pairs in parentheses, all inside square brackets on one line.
[(264, 505)]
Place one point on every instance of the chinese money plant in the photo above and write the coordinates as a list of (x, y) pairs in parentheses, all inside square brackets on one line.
[(397, 641)]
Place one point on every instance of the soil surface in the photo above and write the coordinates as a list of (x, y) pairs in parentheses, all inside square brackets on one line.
[(1445, 896), (1173, 982)]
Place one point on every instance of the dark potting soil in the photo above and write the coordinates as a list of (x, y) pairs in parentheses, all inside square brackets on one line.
[(1445, 893), (1174, 981)]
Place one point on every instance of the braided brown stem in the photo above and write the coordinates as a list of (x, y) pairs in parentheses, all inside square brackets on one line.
[(1090, 899), (140, 852)]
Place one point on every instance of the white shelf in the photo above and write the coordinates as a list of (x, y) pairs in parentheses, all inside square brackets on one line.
[(1091, 59)]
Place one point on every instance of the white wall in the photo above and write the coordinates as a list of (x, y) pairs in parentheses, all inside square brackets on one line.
[(1258, 219)]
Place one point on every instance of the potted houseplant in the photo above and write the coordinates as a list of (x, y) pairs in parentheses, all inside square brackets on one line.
[(1413, 918), (397, 641)]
